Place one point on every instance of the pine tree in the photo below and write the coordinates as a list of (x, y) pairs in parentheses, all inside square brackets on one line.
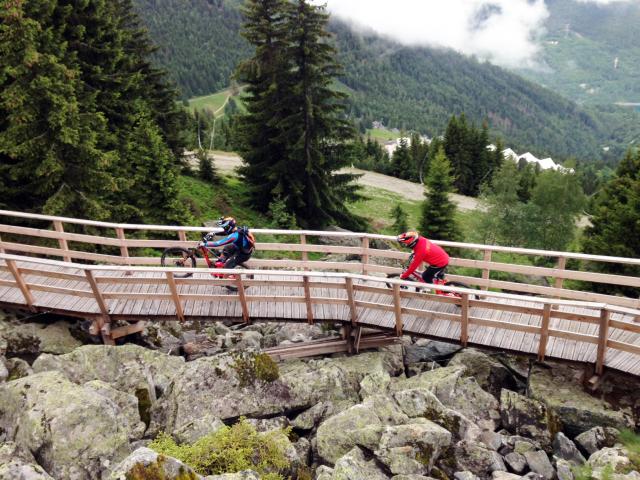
[(206, 169), (615, 223), (401, 161), (400, 218), (88, 125), (438, 211), (49, 127), (295, 132), (265, 75)]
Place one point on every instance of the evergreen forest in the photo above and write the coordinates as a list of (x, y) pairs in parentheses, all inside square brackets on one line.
[(405, 88)]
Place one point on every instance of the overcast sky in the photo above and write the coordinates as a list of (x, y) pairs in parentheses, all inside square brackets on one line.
[(506, 32)]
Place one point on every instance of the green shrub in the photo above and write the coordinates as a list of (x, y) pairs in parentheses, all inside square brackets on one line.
[(631, 441), (583, 472), (231, 449), (253, 367)]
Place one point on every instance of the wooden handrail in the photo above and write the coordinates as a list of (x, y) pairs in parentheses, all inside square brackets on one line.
[(470, 246)]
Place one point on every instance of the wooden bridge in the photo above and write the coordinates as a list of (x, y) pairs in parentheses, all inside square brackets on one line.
[(109, 274)]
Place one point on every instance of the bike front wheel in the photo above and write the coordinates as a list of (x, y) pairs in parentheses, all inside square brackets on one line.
[(178, 257)]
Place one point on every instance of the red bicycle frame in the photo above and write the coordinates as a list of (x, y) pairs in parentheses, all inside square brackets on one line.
[(217, 264), (417, 277)]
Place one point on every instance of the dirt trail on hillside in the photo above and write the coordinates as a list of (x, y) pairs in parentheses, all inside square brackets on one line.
[(227, 162)]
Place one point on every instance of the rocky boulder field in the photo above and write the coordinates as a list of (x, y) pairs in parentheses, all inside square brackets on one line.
[(73, 409)]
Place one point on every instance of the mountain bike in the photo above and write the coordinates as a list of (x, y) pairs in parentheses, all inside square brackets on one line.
[(187, 258), (439, 279)]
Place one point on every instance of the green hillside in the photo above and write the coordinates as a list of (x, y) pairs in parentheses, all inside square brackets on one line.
[(405, 88), (581, 44)]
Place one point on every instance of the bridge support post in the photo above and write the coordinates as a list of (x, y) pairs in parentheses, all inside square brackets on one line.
[(397, 307), (104, 322), (464, 320), (352, 302), (57, 225), (176, 297), (24, 288), (603, 336), (544, 332), (243, 300), (307, 299)]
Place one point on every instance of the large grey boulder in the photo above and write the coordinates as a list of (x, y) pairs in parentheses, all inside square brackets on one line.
[(78, 431), (420, 402), (357, 426), (528, 418), (18, 464), (129, 368), (163, 336), (500, 475), (454, 390), (429, 351), (565, 449), (313, 416), (477, 459), (516, 462), (210, 389), (17, 368), (412, 449), (564, 469), (560, 389), (355, 466), (539, 463), (614, 458), (146, 463), (490, 374), (32, 338), (597, 438)]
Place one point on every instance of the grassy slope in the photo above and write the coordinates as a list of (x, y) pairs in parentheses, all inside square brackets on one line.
[(382, 135), (208, 202)]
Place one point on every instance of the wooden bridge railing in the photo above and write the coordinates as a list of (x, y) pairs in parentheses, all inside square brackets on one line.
[(98, 285), (122, 238)]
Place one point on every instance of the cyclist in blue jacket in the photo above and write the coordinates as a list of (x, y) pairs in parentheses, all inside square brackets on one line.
[(238, 243)]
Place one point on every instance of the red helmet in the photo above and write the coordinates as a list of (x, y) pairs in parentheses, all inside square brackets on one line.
[(408, 239)]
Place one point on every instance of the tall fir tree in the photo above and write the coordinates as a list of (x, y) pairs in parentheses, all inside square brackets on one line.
[(401, 161), (90, 126), (303, 137), (615, 228), (438, 211), (49, 126), (265, 75)]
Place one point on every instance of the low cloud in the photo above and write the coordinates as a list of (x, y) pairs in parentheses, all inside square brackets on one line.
[(505, 32), (606, 2)]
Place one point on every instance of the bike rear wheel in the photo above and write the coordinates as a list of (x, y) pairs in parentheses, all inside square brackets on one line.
[(178, 257)]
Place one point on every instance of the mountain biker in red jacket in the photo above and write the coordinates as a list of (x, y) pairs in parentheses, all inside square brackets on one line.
[(424, 251)]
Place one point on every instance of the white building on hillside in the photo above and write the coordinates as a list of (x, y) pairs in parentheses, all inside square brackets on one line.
[(392, 145)]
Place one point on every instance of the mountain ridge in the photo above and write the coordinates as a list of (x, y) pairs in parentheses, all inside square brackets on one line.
[(405, 87)]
